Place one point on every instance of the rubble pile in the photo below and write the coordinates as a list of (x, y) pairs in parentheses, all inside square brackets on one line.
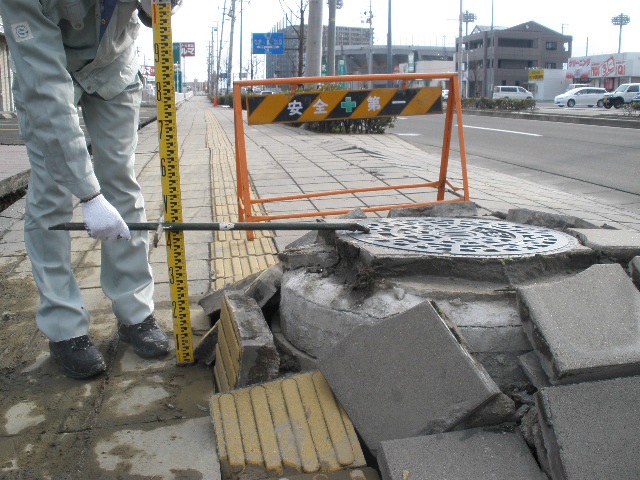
[(471, 366)]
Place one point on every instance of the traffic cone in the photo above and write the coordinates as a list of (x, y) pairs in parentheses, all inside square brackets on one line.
[(215, 100)]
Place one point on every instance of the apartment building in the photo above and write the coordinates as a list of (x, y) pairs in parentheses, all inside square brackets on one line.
[(504, 56)]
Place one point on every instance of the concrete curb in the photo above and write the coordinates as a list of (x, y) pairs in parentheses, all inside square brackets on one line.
[(602, 122)]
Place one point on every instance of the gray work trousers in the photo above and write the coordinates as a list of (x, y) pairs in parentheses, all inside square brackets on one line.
[(125, 275)]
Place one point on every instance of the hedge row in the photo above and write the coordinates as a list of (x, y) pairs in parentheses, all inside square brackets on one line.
[(498, 104)]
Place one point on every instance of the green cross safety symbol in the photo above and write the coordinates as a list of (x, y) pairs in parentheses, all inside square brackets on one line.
[(348, 105)]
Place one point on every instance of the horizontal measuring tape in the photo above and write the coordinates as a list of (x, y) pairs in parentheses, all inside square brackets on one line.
[(169, 167)]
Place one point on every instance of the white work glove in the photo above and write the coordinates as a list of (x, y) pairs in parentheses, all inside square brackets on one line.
[(102, 220)]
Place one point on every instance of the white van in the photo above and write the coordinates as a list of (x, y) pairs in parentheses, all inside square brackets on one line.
[(517, 93)]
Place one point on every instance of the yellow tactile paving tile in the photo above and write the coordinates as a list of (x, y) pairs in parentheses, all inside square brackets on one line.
[(235, 257), (287, 426)]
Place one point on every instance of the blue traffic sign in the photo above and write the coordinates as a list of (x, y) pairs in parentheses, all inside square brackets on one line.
[(272, 43)]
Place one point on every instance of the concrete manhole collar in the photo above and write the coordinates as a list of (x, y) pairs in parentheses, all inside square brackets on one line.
[(464, 237)]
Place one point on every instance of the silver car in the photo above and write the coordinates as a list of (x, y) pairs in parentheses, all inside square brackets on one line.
[(583, 96)]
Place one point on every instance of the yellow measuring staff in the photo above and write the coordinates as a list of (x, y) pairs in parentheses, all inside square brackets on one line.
[(169, 165)]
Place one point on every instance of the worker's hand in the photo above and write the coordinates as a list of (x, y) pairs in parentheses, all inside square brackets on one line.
[(103, 221)]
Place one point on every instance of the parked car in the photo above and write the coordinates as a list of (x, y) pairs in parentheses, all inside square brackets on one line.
[(636, 99), (621, 95), (445, 94), (588, 96), (576, 85), (518, 93)]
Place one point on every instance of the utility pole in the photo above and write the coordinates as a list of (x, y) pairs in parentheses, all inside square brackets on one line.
[(220, 37), (301, 41), (240, 74), (232, 14), (467, 17), (331, 39), (460, 48), (389, 47), (314, 41)]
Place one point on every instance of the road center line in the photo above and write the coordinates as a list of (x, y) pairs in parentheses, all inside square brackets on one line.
[(504, 131)]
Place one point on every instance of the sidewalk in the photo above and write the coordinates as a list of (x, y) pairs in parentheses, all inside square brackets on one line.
[(150, 418)]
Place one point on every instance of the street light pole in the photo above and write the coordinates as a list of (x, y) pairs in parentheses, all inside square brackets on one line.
[(460, 46), (389, 47), (466, 18), (621, 20)]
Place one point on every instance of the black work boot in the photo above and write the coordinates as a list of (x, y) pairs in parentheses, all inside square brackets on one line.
[(147, 338), (78, 357)]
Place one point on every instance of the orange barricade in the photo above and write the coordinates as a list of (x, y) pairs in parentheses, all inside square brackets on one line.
[(327, 105)]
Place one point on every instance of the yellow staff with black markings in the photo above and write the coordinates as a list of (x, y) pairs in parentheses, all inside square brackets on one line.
[(169, 165)]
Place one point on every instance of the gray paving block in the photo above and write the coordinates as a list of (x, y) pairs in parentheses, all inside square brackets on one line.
[(620, 244), (545, 219), (406, 376), (316, 257), (466, 455), (590, 430), (586, 327)]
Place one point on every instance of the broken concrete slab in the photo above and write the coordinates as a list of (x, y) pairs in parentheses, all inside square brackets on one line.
[(212, 303), (634, 269), (394, 378), (585, 327), (245, 353), (288, 426), (365, 473), (622, 245), (545, 219), (317, 311), (465, 455), (266, 286), (451, 209), (316, 257), (590, 430)]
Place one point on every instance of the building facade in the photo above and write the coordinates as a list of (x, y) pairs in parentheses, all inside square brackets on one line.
[(504, 56), (606, 71)]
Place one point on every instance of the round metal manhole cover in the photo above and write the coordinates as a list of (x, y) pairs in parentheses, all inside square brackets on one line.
[(464, 237)]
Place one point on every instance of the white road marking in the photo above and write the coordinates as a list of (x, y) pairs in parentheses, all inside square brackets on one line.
[(408, 134), (504, 131)]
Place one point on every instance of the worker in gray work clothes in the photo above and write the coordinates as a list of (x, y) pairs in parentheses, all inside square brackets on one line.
[(67, 53)]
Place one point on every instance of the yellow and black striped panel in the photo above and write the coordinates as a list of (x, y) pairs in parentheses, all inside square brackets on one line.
[(342, 105)]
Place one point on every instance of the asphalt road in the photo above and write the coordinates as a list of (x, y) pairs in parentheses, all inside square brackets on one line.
[(579, 158)]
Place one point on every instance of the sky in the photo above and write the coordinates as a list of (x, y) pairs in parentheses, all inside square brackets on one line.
[(414, 22)]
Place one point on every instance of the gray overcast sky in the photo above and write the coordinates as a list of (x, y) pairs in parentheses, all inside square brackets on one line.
[(414, 22)]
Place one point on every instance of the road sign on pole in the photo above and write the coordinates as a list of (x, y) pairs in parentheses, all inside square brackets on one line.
[(272, 43)]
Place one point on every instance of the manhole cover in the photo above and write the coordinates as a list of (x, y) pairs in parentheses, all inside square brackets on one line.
[(464, 237)]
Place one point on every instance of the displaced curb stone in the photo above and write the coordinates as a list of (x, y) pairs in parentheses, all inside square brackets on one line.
[(544, 219), (586, 327), (465, 455), (289, 426), (622, 245), (590, 430), (405, 376), (245, 353), (452, 209), (533, 370)]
